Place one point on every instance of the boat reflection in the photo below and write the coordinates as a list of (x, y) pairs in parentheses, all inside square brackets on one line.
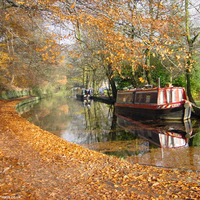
[(163, 135), (95, 126), (87, 102)]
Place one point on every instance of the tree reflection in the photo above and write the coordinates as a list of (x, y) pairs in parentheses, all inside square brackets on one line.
[(94, 125)]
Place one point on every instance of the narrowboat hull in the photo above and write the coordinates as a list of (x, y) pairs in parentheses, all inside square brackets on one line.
[(169, 112)]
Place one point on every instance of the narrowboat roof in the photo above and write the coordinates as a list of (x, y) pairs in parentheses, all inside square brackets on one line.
[(151, 89)]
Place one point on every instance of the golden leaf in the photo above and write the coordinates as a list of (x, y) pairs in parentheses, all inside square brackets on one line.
[(73, 5)]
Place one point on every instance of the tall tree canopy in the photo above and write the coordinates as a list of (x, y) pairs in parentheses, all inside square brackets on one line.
[(136, 33), (30, 50), (123, 38)]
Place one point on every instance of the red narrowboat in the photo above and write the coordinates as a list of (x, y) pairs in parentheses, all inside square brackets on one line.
[(169, 103)]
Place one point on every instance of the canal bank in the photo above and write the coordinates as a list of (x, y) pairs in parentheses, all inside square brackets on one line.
[(36, 164)]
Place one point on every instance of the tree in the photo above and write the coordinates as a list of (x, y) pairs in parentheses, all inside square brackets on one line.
[(190, 42), (123, 30), (112, 35), (29, 52)]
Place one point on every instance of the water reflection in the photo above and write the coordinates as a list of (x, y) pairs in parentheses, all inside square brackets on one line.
[(163, 134), (93, 125), (76, 121)]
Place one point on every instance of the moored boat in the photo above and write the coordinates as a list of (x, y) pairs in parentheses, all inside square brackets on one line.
[(84, 94), (168, 103)]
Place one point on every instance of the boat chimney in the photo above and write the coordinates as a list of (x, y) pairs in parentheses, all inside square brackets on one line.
[(158, 82)]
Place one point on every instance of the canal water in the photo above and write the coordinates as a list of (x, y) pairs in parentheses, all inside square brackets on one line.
[(93, 125)]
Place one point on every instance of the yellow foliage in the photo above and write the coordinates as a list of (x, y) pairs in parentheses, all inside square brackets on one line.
[(70, 66), (141, 79), (62, 81), (73, 5), (4, 58)]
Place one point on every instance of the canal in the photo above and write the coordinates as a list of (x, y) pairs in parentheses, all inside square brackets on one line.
[(93, 125)]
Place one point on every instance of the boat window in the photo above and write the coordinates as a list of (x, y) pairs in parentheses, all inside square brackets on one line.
[(174, 98), (161, 97), (125, 97), (140, 98), (154, 97), (148, 98), (180, 94), (169, 100), (129, 97)]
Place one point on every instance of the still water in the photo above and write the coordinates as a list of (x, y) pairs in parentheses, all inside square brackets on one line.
[(94, 126)]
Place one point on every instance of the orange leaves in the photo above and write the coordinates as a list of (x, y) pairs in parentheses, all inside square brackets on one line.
[(70, 66), (178, 57), (73, 5), (4, 59), (20, 2), (139, 32), (50, 51), (62, 81), (27, 41), (141, 79), (74, 54)]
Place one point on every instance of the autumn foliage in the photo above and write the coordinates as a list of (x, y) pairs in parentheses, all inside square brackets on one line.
[(133, 32), (113, 35), (29, 51)]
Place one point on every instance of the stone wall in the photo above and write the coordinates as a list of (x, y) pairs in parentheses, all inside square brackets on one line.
[(14, 94)]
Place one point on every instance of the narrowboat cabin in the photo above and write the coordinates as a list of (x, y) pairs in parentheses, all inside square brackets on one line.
[(167, 103)]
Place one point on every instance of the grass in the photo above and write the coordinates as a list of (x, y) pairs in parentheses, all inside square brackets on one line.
[(198, 103)]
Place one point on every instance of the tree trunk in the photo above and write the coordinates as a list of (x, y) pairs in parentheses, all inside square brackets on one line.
[(94, 83), (114, 89), (112, 82), (83, 77), (12, 79), (148, 53), (148, 76), (87, 79), (133, 78), (188, 86), (170, 78), (190, 45), (147, 71)]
